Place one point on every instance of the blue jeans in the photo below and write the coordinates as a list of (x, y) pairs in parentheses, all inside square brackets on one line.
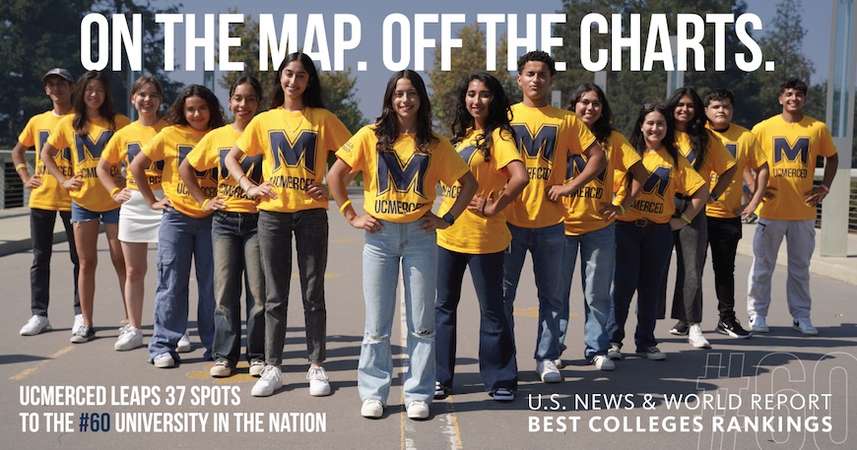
[(181, 238), (642, 256), (597, 262), (237, 262), (497, 364), (545, 245), (415, 249), (80, 214)]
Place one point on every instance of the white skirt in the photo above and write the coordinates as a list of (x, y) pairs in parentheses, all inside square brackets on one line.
[(137, 221)]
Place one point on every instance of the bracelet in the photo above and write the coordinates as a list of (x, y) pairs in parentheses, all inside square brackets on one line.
[(20, 166), (823, 187), (205, 203), (621, 209), (344, 206), (685, 219), (115, 191)]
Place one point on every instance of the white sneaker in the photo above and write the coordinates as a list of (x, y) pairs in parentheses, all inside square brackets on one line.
[(78, 323), (318, 384), (602, 362), (183, 345), (548, 372), (615, 351), (805, 327), (164, 361), (256, 368), (695, 337), (758, 324), (559, 363), (417, 409), (35, 325), (270, 381), (129, 340), (372, 409)]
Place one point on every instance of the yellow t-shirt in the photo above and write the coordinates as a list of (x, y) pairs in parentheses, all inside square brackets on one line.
[(546, 136), (210, 153), (790, 150), (172, 145), (50, 195), (400, 185), (126, 144), (472, 233), (655, 200), (717, 159), (294, 146), (582, 207), (85, 153), (741, 145)]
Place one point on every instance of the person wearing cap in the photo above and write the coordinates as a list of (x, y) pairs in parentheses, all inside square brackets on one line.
[(47, 198)]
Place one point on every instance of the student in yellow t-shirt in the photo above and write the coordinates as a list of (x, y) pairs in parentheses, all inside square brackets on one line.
[(589, 227), (790, 142), (294, 139), (47, 198), (485, 140), (546, 137), (644, 231), (138, 223), (402, 161), (185, 231), (710, 159), (86, 133), (724, 214), (234, 237)]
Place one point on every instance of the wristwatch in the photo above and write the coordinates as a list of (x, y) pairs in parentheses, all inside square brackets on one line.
[(448, 218)]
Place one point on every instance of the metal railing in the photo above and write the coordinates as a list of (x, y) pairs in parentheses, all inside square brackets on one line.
[(852, 201)]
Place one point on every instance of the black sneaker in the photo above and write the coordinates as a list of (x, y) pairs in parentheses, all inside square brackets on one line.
[(679, 329), (733, 328), (440, 391), (83, 334)]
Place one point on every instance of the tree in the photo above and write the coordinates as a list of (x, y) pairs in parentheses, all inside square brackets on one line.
[(464, 61), (37, 36), (338, 87)]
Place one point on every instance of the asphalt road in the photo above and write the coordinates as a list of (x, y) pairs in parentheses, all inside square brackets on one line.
[(766, 379)]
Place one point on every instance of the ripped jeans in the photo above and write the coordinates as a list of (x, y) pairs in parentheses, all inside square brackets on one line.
[(413, 248)]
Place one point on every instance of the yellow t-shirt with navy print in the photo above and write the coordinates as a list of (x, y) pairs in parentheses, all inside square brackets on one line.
[(472, 233), (583, 206), (49, 195), (717, 159), (172, 145), (210, 154), (294, 146), (666, 179), (85, 153), (400, 185), (791, 149), (124, 147), (546, 136), (741, 145)]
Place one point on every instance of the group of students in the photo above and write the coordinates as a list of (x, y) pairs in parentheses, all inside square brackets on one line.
[(513, 179)]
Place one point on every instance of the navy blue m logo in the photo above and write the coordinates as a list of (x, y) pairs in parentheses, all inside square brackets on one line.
[(251, 165), (800, 148), (658, 181), (542, 143), (284, 149), (576, 163), (85, 146), (403, 176)]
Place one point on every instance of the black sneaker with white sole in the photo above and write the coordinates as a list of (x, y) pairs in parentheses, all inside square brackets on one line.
[(732, 328), (440, 391), (679, 329)]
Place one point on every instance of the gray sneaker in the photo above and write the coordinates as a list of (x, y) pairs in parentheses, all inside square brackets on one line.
[(83, 334)]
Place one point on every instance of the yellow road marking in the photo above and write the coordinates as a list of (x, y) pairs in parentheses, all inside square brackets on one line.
[(31, 370), (530, 311)]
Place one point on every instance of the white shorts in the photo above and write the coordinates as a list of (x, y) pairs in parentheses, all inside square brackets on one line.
[(137, 221)]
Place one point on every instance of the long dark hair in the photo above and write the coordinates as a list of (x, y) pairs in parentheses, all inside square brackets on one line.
[(696, 127), (604, 125), (311, 96), (176, 116), (387, 125), (78, 103), (639, 141), (499, 114)]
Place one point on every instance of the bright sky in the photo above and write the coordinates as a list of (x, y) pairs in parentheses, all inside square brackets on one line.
[(370, 84)]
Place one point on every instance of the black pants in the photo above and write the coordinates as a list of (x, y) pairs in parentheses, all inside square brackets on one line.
[(691, 243), (723, 237), (309, 228), (42, 234)]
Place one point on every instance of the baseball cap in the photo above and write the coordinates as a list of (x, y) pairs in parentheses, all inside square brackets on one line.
[(56, 71)]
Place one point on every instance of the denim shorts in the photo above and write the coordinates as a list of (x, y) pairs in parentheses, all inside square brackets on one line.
[(80, 214)]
